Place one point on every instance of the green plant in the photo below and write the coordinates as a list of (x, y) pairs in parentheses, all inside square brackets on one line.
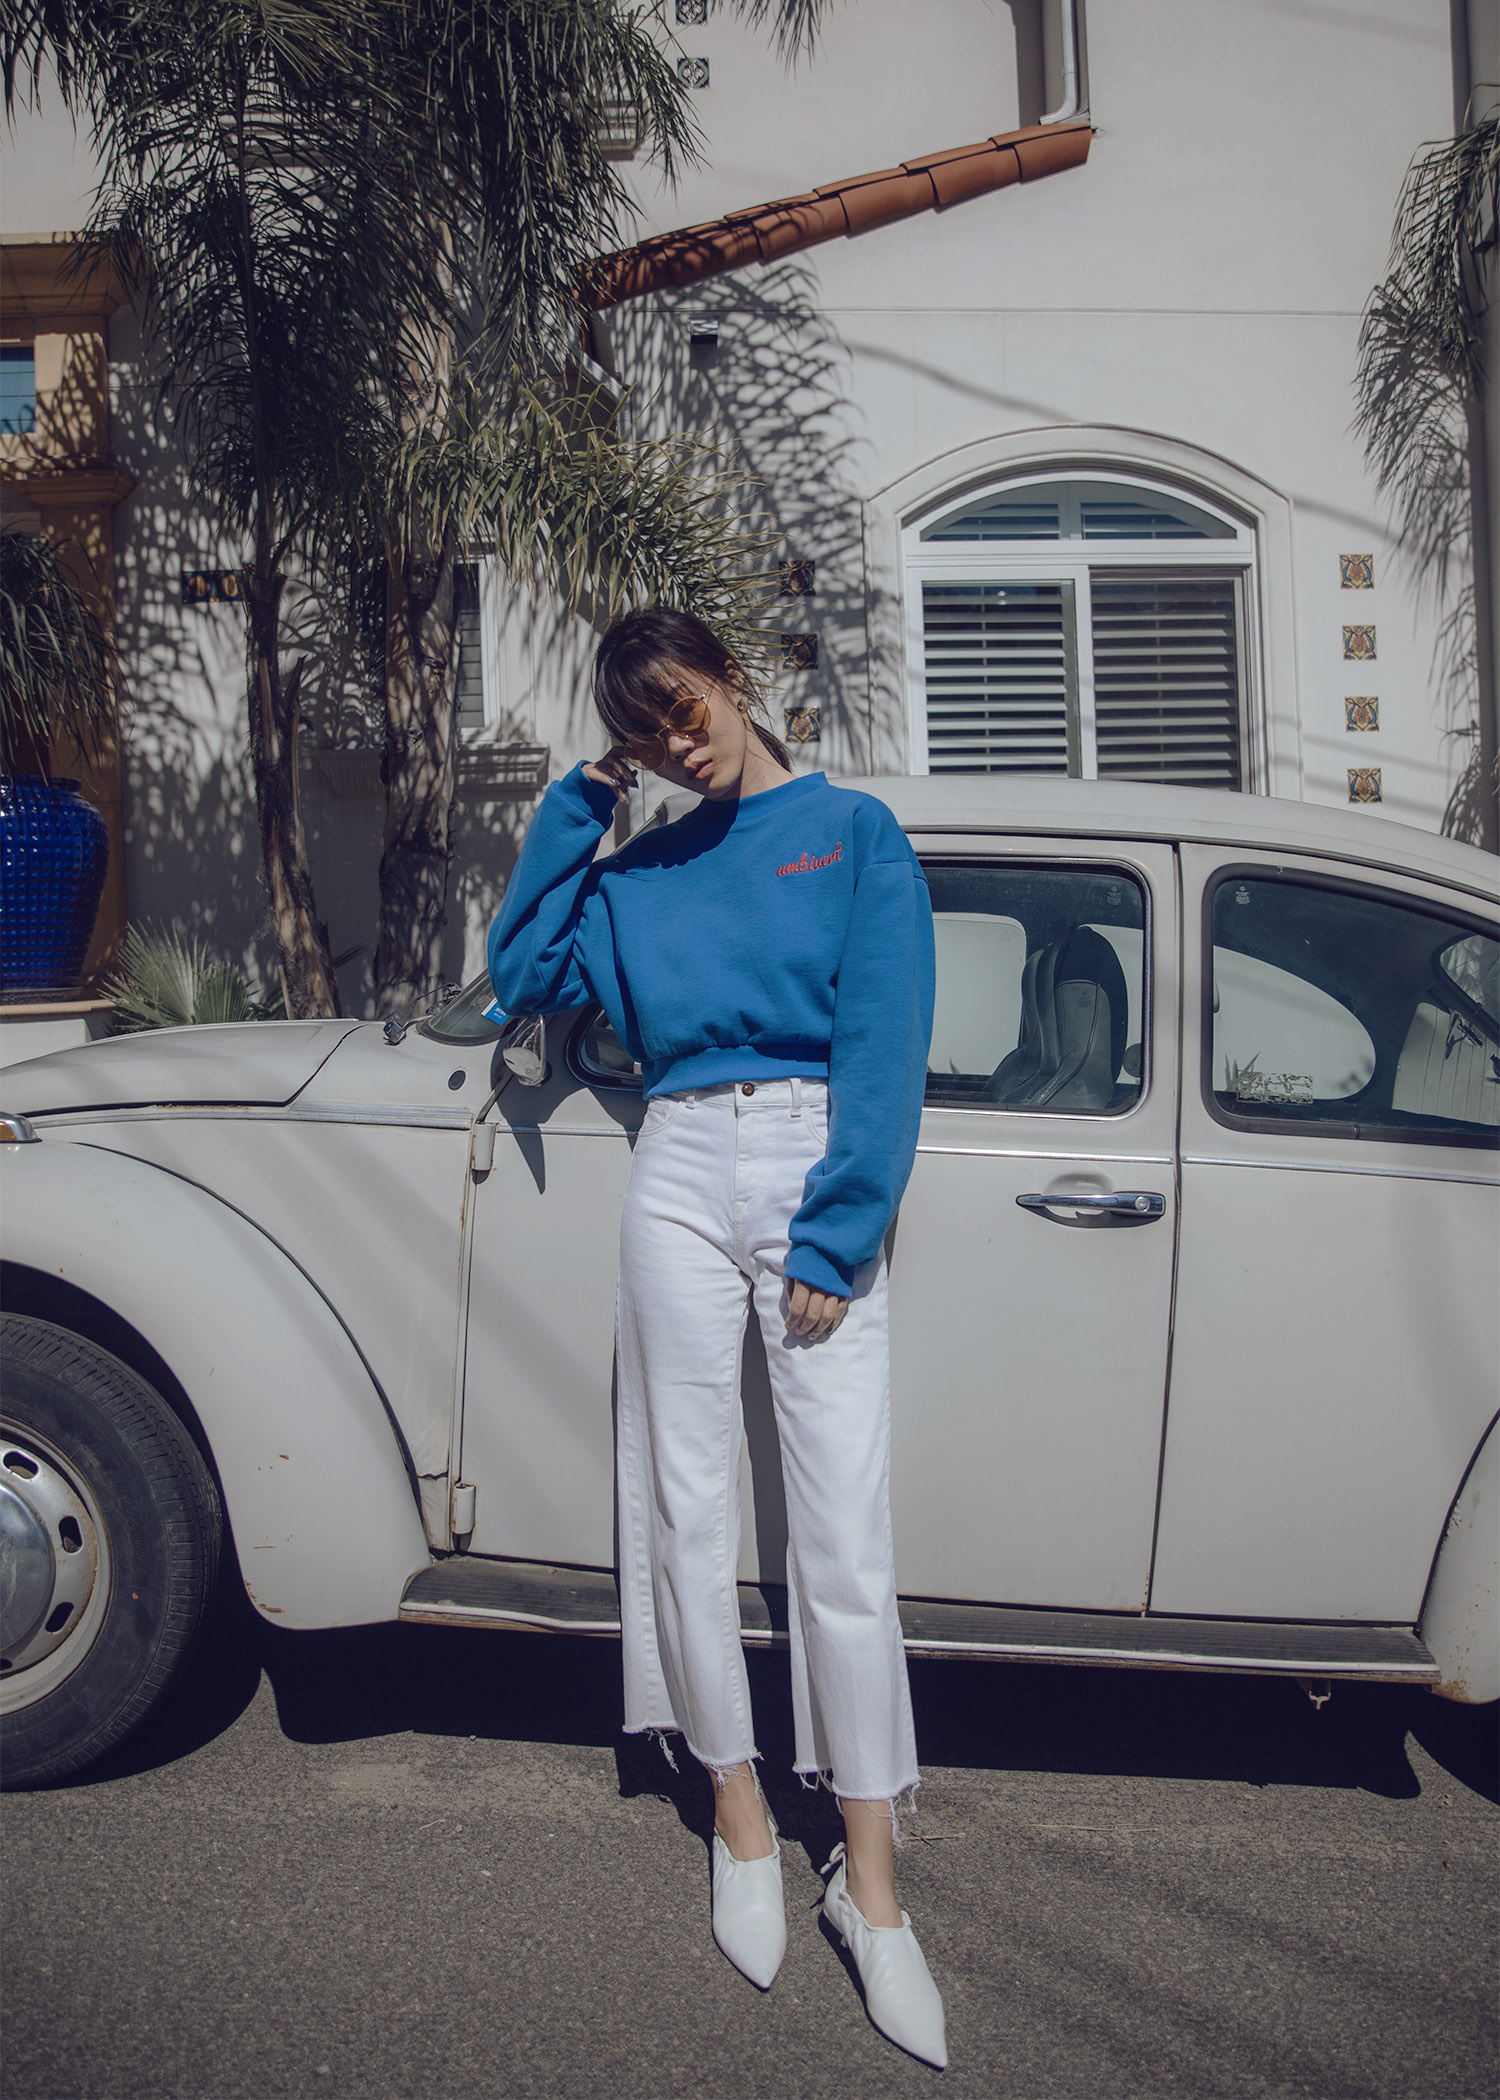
[(168, 981), (56, 656)]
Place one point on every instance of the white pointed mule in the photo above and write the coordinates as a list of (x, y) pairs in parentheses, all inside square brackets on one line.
[(749, 1912), (900, 1995)]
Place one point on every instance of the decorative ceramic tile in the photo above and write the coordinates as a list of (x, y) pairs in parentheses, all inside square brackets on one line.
[(799, 579), (1362, 711), (692, 13), (693, 72), (1364, 784), (1356, 572), (799, 652), (803, 725), (1359, 645), (212, 587)]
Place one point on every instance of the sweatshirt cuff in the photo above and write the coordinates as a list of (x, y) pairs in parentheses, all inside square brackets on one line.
[(596, 796), (806, 1265)]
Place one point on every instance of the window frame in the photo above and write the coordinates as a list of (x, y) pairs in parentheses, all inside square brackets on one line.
[(1280, 1126), (1072, 863), (1071, 565)]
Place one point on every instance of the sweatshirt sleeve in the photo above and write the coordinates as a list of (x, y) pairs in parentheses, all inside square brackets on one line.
[(538, 943), (877, 1073)]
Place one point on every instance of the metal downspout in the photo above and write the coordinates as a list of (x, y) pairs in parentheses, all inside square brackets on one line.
[(1068, 107)]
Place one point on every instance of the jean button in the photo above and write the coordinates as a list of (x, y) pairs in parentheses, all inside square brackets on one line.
[(748, 1087)]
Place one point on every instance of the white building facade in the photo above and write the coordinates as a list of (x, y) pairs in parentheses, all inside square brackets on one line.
[(1064, 473)]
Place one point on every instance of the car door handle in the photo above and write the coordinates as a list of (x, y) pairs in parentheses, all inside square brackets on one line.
[(1122, 1207)]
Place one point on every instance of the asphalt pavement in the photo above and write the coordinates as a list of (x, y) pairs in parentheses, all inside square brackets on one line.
[(405, 1861)]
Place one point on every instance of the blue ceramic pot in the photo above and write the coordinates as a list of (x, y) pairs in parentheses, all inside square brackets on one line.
[(54, 850)]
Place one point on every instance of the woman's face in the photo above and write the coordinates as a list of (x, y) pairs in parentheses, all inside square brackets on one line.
[(710, 759)]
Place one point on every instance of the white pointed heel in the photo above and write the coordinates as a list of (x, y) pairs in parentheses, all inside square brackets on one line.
[(749, 1912), (900, 1995)]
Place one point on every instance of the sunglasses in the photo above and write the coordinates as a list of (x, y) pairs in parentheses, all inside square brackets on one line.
[(687, 718)]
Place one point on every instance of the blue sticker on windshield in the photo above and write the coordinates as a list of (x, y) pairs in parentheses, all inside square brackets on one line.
[(494, 1012)]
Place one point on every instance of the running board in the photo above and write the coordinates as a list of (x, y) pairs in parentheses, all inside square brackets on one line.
[(465, 1591)]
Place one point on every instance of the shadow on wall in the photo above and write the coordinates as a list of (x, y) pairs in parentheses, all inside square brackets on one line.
[(193, 856), (194, 850), (775, 390)]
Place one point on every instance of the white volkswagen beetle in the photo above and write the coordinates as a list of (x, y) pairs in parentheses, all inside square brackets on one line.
[(1193, 1288)]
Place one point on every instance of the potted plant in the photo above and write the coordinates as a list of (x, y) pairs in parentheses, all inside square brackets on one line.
[(56, 682)]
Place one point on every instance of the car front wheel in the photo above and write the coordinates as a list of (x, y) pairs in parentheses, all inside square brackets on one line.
[(109, 1543)]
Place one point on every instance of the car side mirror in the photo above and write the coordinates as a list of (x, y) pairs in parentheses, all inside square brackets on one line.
[(523, 1048)]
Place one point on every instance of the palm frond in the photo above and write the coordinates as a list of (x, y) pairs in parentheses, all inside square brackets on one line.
[(1421, 342), (56, 655), (568, 499), (167, 981), (794, 23)]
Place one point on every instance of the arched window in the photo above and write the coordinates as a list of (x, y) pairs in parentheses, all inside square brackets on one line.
[(1095, 627)]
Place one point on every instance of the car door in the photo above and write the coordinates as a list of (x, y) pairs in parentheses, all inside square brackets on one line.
[(537, 1432), (1030, 1332), (1333, 1362), (1028, 1341)]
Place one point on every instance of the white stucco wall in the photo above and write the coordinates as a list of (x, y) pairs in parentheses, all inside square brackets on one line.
[(1199, 282)]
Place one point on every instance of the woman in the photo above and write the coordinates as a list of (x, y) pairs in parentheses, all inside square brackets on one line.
[(768, 960)]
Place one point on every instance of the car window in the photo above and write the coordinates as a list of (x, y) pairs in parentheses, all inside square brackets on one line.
[(470, 1018), (1040, 988), (599, 1057), (1358, 1012)]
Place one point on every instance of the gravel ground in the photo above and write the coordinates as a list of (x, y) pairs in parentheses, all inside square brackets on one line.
[(405, 1861)]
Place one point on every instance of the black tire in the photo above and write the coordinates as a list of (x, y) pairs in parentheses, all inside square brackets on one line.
[(81, 1424)]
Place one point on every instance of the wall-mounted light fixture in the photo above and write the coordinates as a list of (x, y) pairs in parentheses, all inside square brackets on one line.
[(703, 332), (212, 587)]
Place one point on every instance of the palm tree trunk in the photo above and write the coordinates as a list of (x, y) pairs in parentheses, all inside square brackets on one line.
[(308, 983), (419, 768)]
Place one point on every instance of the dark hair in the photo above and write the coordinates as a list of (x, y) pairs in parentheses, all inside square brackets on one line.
[(631, 691)]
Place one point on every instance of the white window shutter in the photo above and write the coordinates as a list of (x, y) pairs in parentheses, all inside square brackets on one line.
[(1166, 678), (996, 664), (469, 703)]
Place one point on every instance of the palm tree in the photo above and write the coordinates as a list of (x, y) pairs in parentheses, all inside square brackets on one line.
[(512, 451), (254, 201), (1420, 393), (355, 229)]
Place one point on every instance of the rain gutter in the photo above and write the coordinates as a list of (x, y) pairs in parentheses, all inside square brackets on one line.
[(1068, 107), (767, 232)]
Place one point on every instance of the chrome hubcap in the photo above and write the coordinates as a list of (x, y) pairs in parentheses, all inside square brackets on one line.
[(54, 1569)]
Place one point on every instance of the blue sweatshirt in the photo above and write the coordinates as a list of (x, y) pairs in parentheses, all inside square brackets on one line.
[(785, 935)]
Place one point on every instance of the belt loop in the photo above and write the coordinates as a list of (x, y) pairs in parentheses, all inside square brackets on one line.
[(796, 1099)]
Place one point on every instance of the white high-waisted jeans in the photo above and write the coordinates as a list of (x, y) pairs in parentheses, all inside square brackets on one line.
[(717, 1177)]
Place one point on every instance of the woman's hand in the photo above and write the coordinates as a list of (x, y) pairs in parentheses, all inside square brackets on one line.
[(813, 1315), (613, 770)]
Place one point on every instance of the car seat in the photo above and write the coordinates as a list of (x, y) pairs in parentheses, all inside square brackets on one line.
[(1073, 1022)]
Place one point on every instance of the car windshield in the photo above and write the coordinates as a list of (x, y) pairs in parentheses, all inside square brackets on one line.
[(473, 1017)]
